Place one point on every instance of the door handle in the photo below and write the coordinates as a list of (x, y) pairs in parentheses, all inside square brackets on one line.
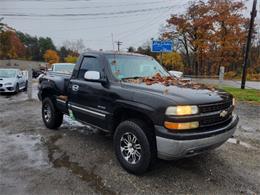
[(75, 87)]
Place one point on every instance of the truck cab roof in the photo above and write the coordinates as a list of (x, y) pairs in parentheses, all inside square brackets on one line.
[(111, 53)]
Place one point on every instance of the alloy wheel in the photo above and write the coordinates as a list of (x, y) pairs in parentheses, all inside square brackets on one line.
[(130, 148)]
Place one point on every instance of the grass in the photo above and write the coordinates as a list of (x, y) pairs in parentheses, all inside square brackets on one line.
[(251, 95)]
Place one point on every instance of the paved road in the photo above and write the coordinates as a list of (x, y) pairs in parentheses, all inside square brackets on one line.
[(231, 83)]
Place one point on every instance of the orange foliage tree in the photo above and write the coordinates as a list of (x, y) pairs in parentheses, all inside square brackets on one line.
[(211, 34), (51, 56), (11, 46)]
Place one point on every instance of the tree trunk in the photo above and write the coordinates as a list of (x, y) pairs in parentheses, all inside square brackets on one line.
[(187, 51)]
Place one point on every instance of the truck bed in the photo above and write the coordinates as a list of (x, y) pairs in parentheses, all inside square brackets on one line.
[(57, 80)]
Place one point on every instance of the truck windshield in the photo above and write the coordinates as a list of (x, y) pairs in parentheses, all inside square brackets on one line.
[(127, 66), (6, 73)]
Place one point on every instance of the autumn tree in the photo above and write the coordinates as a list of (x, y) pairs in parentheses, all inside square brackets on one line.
[(10, 46), (212, 33), (71, 59), (51, 56), (255, 59), (191, 30), (228, 35), (172, 61)]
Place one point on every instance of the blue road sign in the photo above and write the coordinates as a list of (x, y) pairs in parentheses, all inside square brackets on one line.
[(162, 46)]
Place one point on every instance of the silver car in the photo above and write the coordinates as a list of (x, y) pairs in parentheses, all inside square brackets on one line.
[(12, 80), (65, 68)]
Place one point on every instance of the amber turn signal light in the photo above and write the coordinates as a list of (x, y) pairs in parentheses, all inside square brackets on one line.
[(181, 126)]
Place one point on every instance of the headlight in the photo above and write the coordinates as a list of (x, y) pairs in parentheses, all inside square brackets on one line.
[(181, 126), (8, 83), (181, 110), (233, 101)]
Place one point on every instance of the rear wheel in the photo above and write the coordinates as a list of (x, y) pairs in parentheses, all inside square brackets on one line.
[(51, 116), (134, 146)]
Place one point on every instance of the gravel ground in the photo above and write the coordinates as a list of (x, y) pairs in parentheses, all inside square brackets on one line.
[(79, 160)]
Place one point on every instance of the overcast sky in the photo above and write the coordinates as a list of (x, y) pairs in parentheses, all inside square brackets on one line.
[(132, 22)]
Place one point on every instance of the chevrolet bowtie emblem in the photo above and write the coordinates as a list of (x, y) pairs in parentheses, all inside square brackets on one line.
[(223, 113)]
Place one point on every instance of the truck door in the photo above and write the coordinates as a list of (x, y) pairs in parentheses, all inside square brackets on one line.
[(84, 95)]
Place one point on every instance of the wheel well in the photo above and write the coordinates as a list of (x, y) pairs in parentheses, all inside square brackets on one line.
[(125, 113), (47, 93)]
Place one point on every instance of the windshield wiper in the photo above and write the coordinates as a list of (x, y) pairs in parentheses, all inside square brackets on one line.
[(136, 77)]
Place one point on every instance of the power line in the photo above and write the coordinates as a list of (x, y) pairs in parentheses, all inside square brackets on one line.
[(98, 27), (88, 14), (139, 29), (99, 6), (87, 18), (144, 30)]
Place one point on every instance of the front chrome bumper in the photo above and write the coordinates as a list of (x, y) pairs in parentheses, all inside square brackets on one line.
[(169, 149)]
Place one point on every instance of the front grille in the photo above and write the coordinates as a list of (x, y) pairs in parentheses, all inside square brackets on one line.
[(212, 114), (215, 107), (214, 120)]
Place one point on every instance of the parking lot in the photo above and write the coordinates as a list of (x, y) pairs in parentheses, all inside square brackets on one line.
[(79, 160)]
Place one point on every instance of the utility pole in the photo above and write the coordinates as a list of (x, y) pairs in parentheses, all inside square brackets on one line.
[(161, 60), (118, 45), (248, 44), (112, 36), (29, 84)]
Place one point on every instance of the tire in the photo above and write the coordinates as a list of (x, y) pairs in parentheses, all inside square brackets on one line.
[(26, 86), (17, 88), (144, 148), (51, 116)]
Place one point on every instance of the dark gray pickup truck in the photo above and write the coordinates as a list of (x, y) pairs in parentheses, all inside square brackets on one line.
[(149, 113)]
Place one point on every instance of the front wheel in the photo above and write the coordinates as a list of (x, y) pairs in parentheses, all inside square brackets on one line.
[(17, 88), (26, 86), (134, 146), (51, 117)]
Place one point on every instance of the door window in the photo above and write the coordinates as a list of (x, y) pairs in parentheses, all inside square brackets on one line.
[(89, 64)]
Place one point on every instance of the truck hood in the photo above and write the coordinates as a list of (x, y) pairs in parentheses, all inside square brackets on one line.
[(180, 95), (7, 80)]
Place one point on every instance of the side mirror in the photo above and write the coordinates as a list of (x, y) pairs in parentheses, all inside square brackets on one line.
[(19, 76), (92, 75)]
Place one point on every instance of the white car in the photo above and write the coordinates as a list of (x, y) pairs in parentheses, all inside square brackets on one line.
[(12, 80), (176, 74), (65, 68), (179, 75)]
